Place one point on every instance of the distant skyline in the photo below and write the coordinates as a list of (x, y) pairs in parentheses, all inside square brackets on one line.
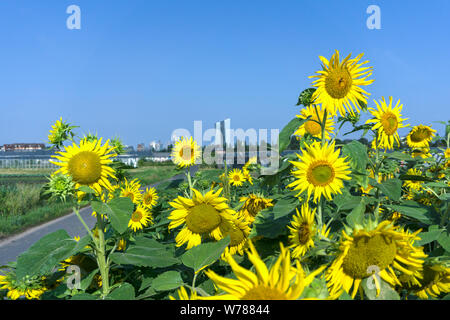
[(139, 69)]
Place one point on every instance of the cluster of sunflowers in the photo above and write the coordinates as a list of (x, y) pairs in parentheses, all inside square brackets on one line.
[(336, 221)]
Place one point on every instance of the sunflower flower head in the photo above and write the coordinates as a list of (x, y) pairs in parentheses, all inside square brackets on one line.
[(387, 120), (320, 170), (202, 216), (339, 84), (282, 282), (253, 204), (186, 152), (87, 164), (420, 136), (61, 131), (370, 251), (312, 126)]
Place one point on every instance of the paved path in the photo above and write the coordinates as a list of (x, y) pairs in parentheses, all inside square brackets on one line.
[(12, 247)]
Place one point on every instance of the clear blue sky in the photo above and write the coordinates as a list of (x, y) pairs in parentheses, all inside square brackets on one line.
[(140, 69)]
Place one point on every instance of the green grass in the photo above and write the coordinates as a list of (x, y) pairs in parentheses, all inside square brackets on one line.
[(152, 174), (11, 224)]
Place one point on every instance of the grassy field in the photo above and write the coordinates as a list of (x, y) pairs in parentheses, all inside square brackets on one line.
[(152, 174)]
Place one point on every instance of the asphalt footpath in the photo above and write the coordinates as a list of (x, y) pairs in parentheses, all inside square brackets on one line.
[(12, 247)]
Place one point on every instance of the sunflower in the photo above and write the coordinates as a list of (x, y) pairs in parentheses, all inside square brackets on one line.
[(87, 164), (150, 197), (281, 282), (302, 231), (423, 153), (247, 175), (387, 121), (238, 229), (312, 126), (132, 190), (339, 84), (415, 185), (186, 152), (202, 216), (236, 177), (447, 153), (121, 245), (320, 170), (381, 246), (253, 204), (140, 218), (30, 288), (184, 295), (420, 136), (434, 279)]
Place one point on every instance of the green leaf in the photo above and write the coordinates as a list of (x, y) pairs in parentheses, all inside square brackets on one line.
[(392, 188), (426, 237), (444, 240), (86, 282), (266, 226), (119, 212), (87, 190), (288, 131), (412, 177), (356, 216), (167, 281), (123, 292), (146, 253), (357, 155), (386, 292), (204, 254), (346, 201), (284, 207), (398, 156), (413, 210), (83, 296), (45, 254)]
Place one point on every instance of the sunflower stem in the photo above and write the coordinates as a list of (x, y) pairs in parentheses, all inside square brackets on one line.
[(77, 213), (101, 257), (188, 175)]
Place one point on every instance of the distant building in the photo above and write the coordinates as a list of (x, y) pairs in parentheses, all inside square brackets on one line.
[(155, 146), (23, 147), (223, 136), (140, 147)]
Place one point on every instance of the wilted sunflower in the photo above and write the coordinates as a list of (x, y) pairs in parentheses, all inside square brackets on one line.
[(140, 218), (236, 177), (238, 229), (281, 282), (202, 216), (150, 197), (387, 122), (132, 190), (339, 84), (30, 288), (302, 231), (186, 152), (312, 126), (420, 136), (415, 185), (423, 153), (87, 164), (320, 171), (382, 249), (253, 204), (433, 280)]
